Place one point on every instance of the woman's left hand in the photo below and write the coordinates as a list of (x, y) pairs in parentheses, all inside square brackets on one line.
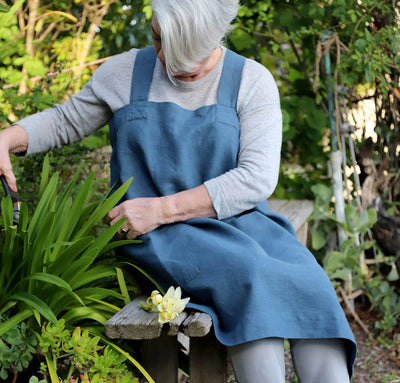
[(142, 216)]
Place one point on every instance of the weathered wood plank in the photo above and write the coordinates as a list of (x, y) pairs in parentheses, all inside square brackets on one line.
[(177, 323), (160, 358), (296, 211), (132, 322), (197, 324), (208, 360)]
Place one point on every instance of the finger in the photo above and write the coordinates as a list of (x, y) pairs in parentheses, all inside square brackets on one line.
[(7, 172), (124, 230), (107, 220), (132, 234), (121, 233), (114, 213), (115, 220), (10, 179)]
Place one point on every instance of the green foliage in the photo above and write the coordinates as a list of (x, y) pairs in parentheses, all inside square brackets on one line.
[(51, 265), (126, 26), (34, 379), (383, 295), (65, 161), (80, 357), (17, 347), (286, 37), (4, 8), (377, 279), (65, 37)]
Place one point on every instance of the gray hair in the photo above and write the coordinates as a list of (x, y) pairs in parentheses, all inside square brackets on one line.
[(192, 29)]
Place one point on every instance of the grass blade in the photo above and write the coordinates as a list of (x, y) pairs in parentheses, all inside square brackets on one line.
[(44, 177), (104, 208), (84, 313), (35, 303), (14, 320), (147, 275), (44, 205), (122, 285)]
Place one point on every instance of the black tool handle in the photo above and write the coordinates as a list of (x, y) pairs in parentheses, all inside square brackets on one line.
[(15, 198)]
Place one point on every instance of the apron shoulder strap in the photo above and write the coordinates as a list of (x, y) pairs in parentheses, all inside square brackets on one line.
[(230, 79), (143, 74)]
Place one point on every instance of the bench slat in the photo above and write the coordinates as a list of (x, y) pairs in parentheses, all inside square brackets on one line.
[(177, 323), (197, 324), (132, 322), (296, 211)]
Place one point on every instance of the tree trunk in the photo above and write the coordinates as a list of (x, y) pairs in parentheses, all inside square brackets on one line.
[(33, 7)]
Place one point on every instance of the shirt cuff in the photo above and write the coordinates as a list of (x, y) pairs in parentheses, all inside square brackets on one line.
[(217, 199)]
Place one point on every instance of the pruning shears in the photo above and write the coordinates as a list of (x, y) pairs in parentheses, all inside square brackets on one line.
[(15, 198)]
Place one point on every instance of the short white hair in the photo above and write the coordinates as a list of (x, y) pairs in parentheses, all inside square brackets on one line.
[(192, 29)]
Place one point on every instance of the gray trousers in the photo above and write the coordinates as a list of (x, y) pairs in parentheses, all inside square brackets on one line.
[(314, 360)]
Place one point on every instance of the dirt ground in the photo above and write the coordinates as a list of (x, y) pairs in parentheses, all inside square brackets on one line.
[(378, 360)]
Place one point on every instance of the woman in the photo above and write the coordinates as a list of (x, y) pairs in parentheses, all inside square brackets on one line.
[(199, 129)]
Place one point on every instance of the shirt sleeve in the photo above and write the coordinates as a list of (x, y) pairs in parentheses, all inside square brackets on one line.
[(77, 117), (256, 175)]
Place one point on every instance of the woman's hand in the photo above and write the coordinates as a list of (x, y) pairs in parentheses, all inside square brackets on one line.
[(146, 214), (5, 163), (12, 140), (142, 216)]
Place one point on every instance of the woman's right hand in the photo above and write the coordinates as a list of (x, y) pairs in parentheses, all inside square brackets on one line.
[(12, 140), (6, 169)]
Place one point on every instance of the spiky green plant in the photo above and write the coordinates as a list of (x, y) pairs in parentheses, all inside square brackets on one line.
[(52, 265)]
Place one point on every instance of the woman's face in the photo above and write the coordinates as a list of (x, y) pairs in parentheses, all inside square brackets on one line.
[(199, 71)]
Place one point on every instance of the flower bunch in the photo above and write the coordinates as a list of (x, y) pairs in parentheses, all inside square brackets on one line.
[(168, 306)]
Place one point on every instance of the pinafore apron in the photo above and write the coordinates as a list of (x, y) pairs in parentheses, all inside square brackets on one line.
[(249, 271)]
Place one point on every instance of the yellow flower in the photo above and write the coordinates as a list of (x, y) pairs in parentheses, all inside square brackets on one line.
[(165, 317), (171, 305), (156, 297), (168, 306)]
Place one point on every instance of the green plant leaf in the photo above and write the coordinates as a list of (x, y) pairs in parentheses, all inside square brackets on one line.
[(40, 243), (99, 293), (318, 238), (147, 275), (44, 177), (115, 244), (122, 285), (44, 206), (84, 313), (23, 218), (104, 208), (88, 276), (6, 18), (35, 303), (7, 212), (14, 320), (72, 216), (4, 8), (68, 255), (56, 281), (93, 251), (128, 357)]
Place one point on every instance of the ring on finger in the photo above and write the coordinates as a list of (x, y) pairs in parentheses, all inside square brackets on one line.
[(124, 231)]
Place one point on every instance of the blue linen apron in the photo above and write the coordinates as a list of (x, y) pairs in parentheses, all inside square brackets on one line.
[(249, 272)]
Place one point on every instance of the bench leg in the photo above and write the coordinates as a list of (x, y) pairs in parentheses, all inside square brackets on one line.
[(208, 360), (160, 358), (302, 233)]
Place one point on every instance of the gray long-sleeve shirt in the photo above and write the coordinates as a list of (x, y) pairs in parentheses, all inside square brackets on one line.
[(258, 107)]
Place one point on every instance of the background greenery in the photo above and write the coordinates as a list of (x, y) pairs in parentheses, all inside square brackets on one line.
[(45, 48)]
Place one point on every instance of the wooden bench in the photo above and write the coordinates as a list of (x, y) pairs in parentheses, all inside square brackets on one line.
[(159, 344)]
